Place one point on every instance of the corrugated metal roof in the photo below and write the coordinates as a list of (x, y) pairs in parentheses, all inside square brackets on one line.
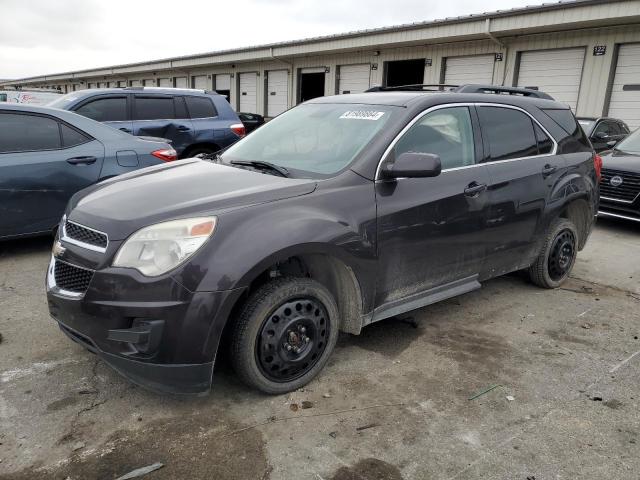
[(355, 33)]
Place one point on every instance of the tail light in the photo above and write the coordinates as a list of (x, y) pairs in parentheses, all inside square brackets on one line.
[(166, 154), (597, 163), (238, 129)]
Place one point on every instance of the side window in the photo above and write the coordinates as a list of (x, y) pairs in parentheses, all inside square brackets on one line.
[(545, 145), (200, 107), (181, 108), (447, 132), (154, 108), (112, 109), (24, 133), (509, 132), (602, 128), (72, 137)]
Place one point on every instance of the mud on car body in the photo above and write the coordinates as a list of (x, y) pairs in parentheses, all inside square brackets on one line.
[(340, 212)]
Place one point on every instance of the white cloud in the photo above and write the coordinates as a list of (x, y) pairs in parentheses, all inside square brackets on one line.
[(43, 37)]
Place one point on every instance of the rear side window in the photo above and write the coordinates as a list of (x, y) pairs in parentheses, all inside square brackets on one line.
[(72, 137), (112, 109), (24, 133), (545, 144), (154, 108), (510, 133), (200, 107), (565, 119)]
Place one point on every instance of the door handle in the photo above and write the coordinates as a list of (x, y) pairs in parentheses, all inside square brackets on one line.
[(474, 189), (88, 160), (127, 130), (549, 170), (182, 128)]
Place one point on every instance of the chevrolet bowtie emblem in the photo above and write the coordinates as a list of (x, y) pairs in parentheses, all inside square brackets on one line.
[(58, 250)]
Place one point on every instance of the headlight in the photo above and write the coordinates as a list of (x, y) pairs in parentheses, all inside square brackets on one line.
[(159, 248)]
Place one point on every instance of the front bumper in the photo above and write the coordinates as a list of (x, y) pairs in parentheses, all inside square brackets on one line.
[(613, 208), (156, 333)]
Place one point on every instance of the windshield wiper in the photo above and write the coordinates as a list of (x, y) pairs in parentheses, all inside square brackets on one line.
[(259, 164)]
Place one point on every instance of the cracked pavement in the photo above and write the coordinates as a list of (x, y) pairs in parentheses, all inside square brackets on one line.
[(393, 403)]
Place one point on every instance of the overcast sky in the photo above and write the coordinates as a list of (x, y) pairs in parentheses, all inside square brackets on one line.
[(42, 36)]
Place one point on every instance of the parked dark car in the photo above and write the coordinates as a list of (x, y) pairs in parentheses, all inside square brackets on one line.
[(196, 121), (620, 187), (604, 133), (341, 212), (251, 121), (47, 155)]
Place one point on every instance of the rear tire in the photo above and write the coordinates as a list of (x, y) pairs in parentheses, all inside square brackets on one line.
[(558, 255), (284, 334)]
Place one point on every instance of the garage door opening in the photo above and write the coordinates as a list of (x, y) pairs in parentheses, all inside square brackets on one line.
[(404, 72), (223, 85), (311, 85)]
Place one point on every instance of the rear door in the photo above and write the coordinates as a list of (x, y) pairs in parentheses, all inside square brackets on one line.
[(43, 162), (163, 116), (431, 230), (204, 116), (523, 171), (110, 109)]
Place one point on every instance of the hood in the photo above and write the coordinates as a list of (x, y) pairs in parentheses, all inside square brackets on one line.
[(122, 205), (623, 161)]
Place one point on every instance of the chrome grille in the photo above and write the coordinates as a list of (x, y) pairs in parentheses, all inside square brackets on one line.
[(626, 192), (71, 278), (85, 235)]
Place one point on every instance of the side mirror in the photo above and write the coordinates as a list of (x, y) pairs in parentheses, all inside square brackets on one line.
[(601, 136), (413, 165), (612, 143)]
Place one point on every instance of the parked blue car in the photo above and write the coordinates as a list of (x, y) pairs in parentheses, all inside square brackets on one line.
[(196, 121), (47, 155)]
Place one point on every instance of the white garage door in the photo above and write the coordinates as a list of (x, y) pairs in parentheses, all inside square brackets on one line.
[(164, 82), (277, 92), (354, 78), (149, 82), (625, 94), (248, 91), (181, 82), (135, 83), (469, 69), (556, 72), (199, 81), (223, 82)]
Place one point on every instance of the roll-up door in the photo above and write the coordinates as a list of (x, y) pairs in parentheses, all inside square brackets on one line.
[(181, 82), (135, 83), (625, 94), (199, 81), (248, 91), (354, 78), (164, 82), (469, 69), (556, 72), (277, 92)]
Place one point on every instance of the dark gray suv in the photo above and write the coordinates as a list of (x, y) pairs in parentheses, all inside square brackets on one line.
[(196, 121)]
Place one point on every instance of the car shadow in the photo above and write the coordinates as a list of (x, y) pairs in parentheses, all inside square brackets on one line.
[(25, 246)]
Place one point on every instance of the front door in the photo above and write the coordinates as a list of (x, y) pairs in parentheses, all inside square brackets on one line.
[(43, 162), (430, 230)]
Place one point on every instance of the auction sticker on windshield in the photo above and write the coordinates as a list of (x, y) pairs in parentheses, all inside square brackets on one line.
[(362, 115)]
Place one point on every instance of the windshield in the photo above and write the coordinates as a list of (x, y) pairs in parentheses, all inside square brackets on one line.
[(63, 100), (586, 124), (316, 139), (631, 143)]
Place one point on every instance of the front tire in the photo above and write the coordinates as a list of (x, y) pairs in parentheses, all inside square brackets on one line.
[(558, 255), (284, 334)]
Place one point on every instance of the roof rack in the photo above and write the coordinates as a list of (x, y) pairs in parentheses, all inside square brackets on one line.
[(418, 87), (495, 89)]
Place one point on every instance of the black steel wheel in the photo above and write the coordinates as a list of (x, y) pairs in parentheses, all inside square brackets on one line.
[(558, 255), (284, 334), (562, 254)]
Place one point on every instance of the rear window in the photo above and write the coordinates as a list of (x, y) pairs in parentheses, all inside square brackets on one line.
[(200, 107), (154, 108)]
